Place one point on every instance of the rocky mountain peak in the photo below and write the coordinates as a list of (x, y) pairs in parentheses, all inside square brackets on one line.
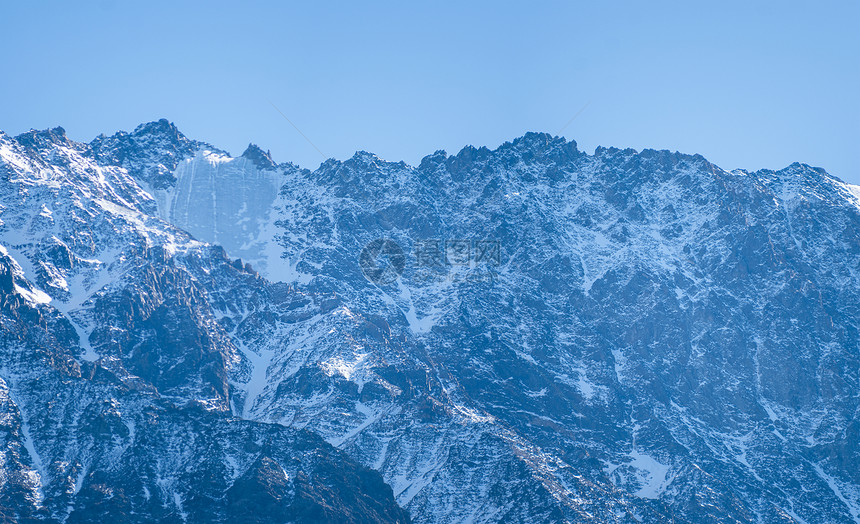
[(39, 139), (262, 159), (151, 152), (162, 128)]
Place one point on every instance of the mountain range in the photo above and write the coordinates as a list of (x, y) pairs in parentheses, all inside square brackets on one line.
[(530, 333)]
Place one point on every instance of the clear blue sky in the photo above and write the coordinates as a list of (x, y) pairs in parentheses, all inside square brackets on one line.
[(747, 84)]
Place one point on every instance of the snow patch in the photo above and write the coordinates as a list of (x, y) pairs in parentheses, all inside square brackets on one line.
[(654, 475), (853, 504)]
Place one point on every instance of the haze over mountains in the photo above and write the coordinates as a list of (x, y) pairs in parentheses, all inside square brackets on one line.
[(618, 337)]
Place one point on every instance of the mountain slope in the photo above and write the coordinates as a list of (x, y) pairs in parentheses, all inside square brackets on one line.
[(685, 333), (114, 371)]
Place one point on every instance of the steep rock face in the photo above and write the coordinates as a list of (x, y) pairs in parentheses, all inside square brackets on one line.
[(114, 370), (223, 201), (202, 190)]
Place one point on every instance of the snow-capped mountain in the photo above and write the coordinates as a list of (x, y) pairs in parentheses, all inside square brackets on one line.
[(617, 337), (114, 371)]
